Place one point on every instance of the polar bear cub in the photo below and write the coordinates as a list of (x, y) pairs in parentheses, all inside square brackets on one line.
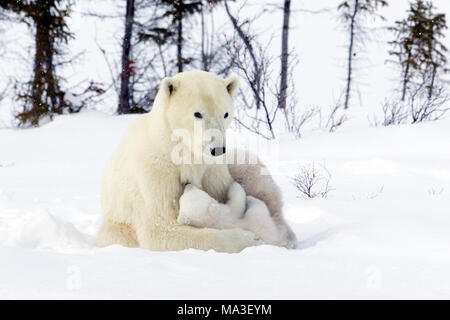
[(199, 209)]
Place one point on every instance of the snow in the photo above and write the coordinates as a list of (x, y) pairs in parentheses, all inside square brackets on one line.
[(382, 232)]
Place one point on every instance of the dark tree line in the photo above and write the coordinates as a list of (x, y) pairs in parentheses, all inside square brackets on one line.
[(161, 34), (160, 39)]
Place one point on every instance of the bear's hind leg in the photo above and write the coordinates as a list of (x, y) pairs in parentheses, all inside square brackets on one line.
[(117, 233), (257, 182)]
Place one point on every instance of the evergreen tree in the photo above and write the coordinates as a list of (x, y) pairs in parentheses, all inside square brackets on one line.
[(178, 11), (352, 13), (160, 33), (420, 53), (434, 53), (42, 96)]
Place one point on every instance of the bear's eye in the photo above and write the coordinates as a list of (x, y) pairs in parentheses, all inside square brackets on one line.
[(225, 115), (198, 115)]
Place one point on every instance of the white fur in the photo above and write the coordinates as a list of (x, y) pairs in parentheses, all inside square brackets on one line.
[(142, 186), (198, 209)]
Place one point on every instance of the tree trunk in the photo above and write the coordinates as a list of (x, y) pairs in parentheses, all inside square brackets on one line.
[(179, 14), (43, 95), (44, 87), (204, 57), (127, 68), (433, 77), (405, 77), (37, 90), (248, 45), (284, 55), (350, 55)]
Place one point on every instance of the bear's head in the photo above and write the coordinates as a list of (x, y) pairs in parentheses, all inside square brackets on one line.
[(198, 109)]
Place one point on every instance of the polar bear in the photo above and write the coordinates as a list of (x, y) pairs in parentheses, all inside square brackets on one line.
[(199, 209), (142, 184)]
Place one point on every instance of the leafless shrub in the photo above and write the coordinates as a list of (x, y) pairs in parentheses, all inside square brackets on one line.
[(3, 92), (313, 181), (336, 117), (295, 117), (370, 196), (394, 113), (418, 106), (253, 63), (435, 192), (329, 121), (89, 94), (257, 112), (213, 57), (428, 108), (295, 120)]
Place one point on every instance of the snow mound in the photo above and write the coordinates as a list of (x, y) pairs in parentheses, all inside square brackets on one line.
[(42, 230), (383, 231)]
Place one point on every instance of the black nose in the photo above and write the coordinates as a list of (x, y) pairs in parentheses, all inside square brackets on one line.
[(217, 151)]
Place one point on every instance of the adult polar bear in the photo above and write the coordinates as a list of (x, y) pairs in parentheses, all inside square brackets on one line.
[(142, 185)]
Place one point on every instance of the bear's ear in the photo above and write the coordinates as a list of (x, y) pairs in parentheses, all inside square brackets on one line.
[(169, 86), (231, 83)]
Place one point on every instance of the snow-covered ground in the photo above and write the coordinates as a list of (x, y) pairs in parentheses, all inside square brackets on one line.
[(383, 232)]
